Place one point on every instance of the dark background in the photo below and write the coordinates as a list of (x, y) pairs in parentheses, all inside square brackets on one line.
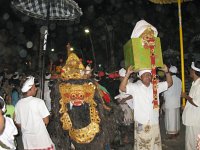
[(111, 23)]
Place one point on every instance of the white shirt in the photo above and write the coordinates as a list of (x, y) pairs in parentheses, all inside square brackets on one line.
[(29, 112), (47, 97), (122, 95), (191, 113), (143, 101), (173, 95), (7, 137)]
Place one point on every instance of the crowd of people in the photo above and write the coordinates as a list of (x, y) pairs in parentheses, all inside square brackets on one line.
[(135, 99), (22, 111)]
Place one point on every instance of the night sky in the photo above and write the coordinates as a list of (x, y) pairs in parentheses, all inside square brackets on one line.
[(111, 23)]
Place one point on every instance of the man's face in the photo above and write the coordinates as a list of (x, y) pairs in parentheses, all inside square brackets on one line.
[(146, 78)]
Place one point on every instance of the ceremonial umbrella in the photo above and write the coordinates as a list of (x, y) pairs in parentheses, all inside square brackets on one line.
[(44, 11), (181, 36)]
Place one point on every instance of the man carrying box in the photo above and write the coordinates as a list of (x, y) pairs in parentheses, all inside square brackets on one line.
[(147, 131)]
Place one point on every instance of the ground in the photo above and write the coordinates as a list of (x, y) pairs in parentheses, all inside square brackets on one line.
[(175, 144)]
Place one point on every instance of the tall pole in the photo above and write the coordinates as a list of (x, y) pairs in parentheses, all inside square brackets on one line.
[(181, 50), (44, 51), (95, 65), (87, 31)]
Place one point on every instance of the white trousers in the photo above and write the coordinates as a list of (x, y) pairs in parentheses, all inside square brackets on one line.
[(172, 120), (191, 134)]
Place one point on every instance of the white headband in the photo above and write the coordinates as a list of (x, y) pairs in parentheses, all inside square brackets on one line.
[(142, 72), (28, 84), (195, 68), (173, 69)]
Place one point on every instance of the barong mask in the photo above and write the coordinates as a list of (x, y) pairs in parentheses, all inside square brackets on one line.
[(148, 40), (78, 95)]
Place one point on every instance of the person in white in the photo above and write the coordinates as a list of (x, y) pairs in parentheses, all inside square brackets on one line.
[(172, 105), (198, 142), (32, 115), (2, 119), (147, 131), (47, 92), (7, 138), (125, 101), (191, 111)]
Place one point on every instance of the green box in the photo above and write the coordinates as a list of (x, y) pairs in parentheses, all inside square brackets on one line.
[(139, 57)]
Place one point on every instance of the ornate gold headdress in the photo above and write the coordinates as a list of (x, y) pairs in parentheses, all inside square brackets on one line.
[(74, 68)]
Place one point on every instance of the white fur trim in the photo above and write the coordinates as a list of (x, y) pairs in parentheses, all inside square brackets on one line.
[(140, 27)]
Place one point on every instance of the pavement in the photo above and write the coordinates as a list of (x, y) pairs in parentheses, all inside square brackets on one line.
[(167, 144), (172, 144)]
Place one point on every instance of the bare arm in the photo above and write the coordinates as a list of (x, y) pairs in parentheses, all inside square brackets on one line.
[(168, 75), (124, 82), (123, 100), (190, 100), (169, 79), (46, 120), (2, 122)]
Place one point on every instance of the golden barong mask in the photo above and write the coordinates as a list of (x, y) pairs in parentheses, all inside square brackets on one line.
[(79, 95)]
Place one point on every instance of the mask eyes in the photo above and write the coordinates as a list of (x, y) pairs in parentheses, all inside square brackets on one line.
[(80, 96), (73, 96)]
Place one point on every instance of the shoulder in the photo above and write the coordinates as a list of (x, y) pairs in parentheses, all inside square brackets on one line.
[(163, 84), (38, 100)]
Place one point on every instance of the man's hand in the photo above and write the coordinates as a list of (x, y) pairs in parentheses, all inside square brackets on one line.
[(129, 70), (183, 94), (164, 68)]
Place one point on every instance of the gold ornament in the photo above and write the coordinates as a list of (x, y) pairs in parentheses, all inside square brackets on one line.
[(79, 95), (73, 68)]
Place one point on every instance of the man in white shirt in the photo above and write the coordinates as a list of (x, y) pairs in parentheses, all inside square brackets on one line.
[(191, 111), (147, 131), (125, 101), (32, 115), (172, 105)]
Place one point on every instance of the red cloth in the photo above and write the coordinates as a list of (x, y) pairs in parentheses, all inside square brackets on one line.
[(106, 96), (101, 74)]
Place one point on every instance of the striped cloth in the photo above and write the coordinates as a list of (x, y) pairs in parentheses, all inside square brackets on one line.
[(58, 9)]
